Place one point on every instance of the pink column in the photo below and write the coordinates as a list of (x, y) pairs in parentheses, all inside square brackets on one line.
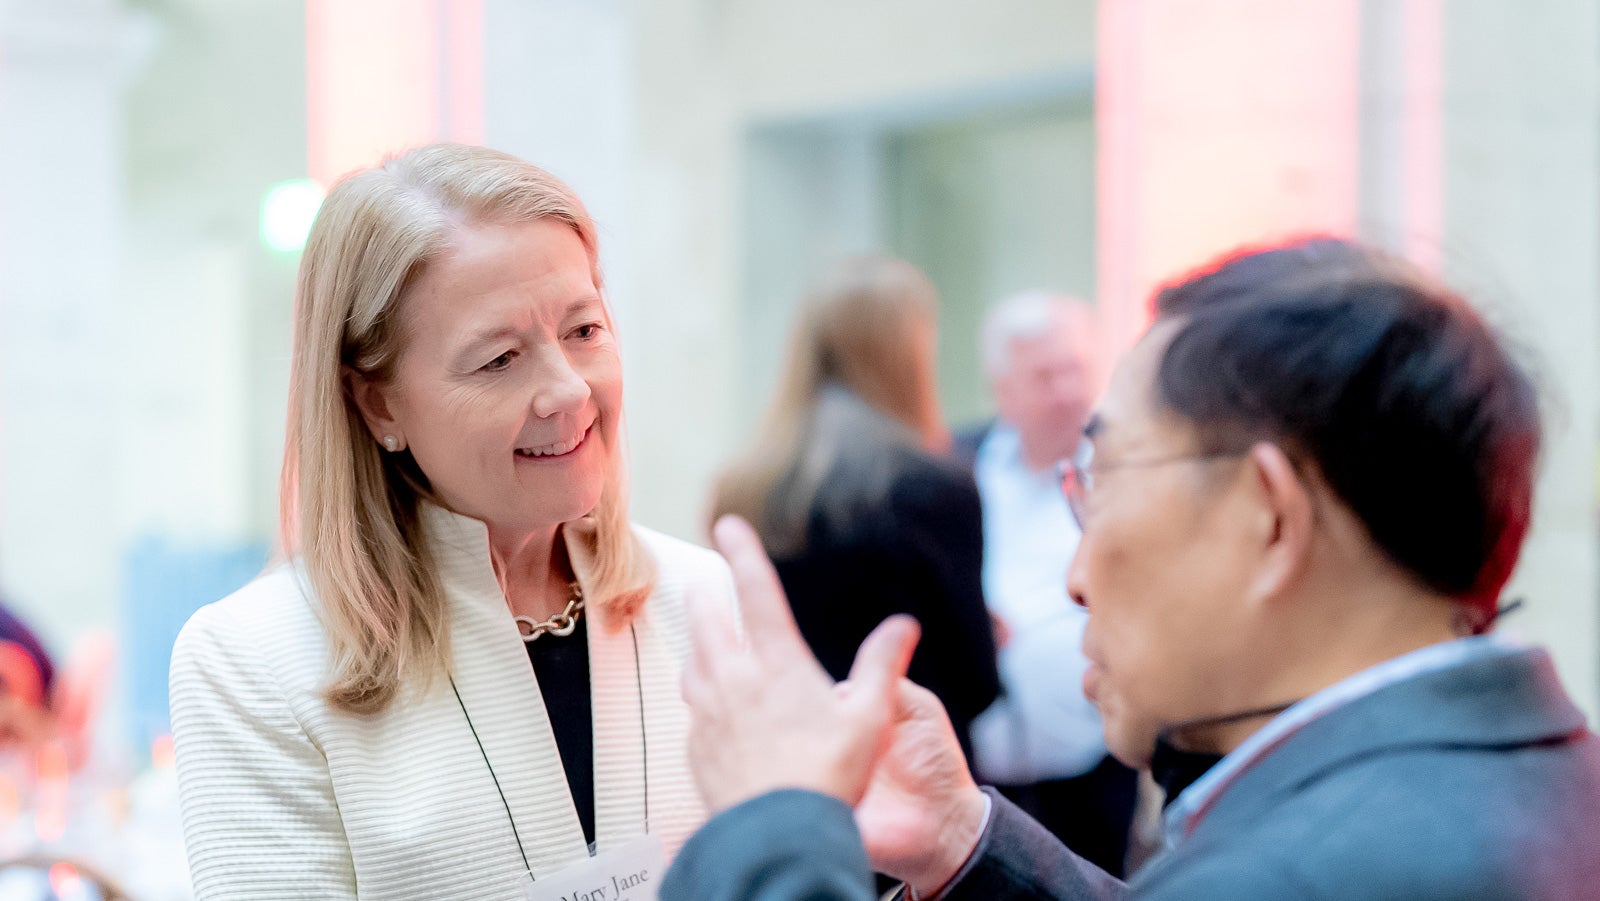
[(1422, 132), (1220, 122), (386, 75)]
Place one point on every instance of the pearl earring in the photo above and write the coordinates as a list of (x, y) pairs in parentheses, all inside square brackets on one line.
[(389, 442)]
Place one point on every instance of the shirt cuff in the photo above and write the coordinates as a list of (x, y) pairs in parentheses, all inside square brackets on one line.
[(966, 865)]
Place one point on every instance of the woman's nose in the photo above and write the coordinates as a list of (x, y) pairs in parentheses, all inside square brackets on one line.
[(557, 386)]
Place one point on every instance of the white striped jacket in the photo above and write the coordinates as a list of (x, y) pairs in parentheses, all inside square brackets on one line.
[(284, 797)]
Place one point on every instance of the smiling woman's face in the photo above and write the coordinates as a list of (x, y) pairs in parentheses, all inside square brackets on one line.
[(509, 386)]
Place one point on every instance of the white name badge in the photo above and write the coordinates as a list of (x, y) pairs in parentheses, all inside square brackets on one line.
[(630, 872)]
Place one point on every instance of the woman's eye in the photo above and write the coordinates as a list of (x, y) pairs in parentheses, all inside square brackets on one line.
[(500, 362), (587, 332)]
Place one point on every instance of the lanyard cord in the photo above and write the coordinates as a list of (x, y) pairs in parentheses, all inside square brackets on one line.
[(644, 739), (498, 790), (644, 748)]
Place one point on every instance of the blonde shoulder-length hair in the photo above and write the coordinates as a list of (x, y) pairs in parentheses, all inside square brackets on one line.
[(858, 383), (353, 512)]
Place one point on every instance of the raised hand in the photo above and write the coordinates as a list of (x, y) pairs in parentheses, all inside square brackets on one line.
[(922, 813), (764, 714)]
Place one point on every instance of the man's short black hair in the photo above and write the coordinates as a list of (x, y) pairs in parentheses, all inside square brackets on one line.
[(1246, 272), (1389, 384)]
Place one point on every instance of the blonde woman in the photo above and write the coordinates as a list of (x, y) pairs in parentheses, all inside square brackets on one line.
[(850, 495), (466, 676)]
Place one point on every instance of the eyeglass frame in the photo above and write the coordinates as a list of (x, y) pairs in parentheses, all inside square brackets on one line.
[(1075, 477)]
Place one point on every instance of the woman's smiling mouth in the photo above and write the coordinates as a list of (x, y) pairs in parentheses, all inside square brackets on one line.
[(555, 451)]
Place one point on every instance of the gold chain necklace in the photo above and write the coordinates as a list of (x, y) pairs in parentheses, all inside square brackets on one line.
[(560, 625)]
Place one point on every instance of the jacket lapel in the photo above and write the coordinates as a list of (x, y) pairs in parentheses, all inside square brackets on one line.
[(641, 725), (636, 706), (491, 671), (628, 666)]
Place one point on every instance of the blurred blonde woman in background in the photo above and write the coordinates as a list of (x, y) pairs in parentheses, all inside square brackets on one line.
[(851, 494), (466, 676)]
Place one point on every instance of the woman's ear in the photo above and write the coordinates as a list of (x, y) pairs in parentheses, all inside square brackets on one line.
[(372, 397), (1287, 513)]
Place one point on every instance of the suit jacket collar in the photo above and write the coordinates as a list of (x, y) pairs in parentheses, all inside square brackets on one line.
[(1507, 698), (460, 545)]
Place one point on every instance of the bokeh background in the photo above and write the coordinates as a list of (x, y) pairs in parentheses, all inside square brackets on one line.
[(160, 160)]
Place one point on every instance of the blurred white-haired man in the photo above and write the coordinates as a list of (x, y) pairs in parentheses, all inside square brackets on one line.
[(1041, 743)]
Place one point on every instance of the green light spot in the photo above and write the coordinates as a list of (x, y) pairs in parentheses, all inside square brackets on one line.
[(287, 211)]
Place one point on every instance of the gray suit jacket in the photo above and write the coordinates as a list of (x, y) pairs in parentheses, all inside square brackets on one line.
[(1477, 781)]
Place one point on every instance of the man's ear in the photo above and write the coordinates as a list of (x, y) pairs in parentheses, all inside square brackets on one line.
[(1287, 520), (371, 397)]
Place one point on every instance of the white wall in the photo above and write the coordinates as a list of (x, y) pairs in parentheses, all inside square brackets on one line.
[(214, 118), (1522, 234), (707, 75), (60, 247), (792, 59)]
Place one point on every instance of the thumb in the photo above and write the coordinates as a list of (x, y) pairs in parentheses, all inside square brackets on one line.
[(882, 660), (918, 703)]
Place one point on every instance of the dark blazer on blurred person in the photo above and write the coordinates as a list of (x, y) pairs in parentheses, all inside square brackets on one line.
[(847, 485), (916, 548)]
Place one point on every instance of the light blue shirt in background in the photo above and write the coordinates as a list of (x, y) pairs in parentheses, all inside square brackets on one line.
[(1042, 728)]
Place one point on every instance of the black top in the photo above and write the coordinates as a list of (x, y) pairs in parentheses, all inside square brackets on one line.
[(561, 664), (917, 550)]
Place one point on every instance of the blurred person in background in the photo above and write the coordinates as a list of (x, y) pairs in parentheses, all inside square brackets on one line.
[(51, 879), (27, 682), (464, 682), (849, 490), (1309, 488), (31, 696), (1041, 744)]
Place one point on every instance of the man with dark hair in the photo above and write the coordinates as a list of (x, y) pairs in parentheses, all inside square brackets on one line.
[(1306, 490)]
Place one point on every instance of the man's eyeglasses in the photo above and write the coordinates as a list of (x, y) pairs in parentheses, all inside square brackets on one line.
[(1077, 475)]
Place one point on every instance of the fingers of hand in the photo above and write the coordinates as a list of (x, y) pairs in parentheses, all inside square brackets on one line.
[(917, 702), (873, 700), (712, 640), (882, 659), (767, 619)]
